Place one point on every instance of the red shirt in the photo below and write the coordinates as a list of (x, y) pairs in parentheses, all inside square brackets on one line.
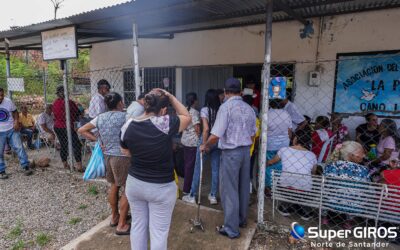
[(318, 143), (257, 99), (392, 177), (59, 113)]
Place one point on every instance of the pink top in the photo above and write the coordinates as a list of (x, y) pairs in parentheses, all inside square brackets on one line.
[(388, 143)]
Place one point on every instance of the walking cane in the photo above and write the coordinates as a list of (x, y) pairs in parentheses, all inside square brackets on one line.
[(197, 223)]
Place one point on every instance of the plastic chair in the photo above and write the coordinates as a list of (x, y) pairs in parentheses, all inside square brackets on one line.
[(326, 147)]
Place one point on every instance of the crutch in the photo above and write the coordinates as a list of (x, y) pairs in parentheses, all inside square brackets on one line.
[(196, 222)]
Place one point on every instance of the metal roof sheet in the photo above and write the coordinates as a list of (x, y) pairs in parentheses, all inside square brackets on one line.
[(160, 18)]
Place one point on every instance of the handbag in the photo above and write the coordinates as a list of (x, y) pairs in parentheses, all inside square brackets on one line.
[(96, 166)]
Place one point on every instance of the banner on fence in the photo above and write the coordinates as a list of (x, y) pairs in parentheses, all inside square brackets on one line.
[(368, 82), (16, 84)]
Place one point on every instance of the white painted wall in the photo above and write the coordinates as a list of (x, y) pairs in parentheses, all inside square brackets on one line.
[(366, 31)]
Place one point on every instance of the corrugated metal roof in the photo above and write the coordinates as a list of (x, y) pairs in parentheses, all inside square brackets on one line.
[(164, 17)]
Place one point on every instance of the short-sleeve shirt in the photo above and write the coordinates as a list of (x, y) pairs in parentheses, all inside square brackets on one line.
[(109, 125), (387, 143), (26, 121), (134, 110), (294, 113), (279, 123), (6, 118), (150, 143), (235, 124), (368, 137), (59, 113), (97, 105), (189, 135), (47, 119), (318, 138), (300, 162)]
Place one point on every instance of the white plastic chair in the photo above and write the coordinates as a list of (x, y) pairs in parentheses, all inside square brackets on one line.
[(327, 146)]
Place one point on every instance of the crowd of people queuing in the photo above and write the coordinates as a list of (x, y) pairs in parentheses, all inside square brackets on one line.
[(138, 151)]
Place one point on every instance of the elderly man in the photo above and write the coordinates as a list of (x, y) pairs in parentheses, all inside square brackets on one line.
[(46, 123), (27, 125), (97, 105), (136, 108), (234, 127)]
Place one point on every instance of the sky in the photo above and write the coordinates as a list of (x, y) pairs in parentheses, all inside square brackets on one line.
[(25, 12)]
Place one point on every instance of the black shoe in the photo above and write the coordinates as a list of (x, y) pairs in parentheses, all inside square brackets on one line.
[(3, 176), (304, 215), (243, 225), (27, 171), (283, 211)]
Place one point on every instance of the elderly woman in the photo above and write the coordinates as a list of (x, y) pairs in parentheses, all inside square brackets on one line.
[(345, 165), (150, 187)]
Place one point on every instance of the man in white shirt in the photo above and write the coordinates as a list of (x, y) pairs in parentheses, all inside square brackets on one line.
[(45, 123), (298, 119), (136, 108), (97, 105), (9, 130)]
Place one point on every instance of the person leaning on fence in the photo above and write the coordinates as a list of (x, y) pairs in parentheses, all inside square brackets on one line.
[(279, 133), (27, 125), (150, 186), (60, 128), (235, 127), (45, 123), (208, 115), (190, 140), (97, 105), (109, 125), (321, 134), (347, 177), (136, 108), (9, 130), (298, 163), (368, 134)]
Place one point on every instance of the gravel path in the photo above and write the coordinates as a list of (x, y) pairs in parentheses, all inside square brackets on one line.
[(52, 204)]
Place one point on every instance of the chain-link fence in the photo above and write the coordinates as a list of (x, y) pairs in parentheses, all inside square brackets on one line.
[(333, 149)]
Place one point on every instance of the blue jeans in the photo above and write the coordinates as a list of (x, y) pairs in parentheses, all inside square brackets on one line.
[(14, 139), (214, 155)]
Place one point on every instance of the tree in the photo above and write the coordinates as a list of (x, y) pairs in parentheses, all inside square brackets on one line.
[(57, 6)]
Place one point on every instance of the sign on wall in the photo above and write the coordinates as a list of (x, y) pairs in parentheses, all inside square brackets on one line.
[(277, 88), (59, 44), (16, 84), (368, 82)]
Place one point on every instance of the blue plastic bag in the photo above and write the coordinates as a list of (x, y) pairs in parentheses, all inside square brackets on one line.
[(96, 166)]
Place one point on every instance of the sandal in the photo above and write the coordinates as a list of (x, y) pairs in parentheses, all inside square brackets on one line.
[(114, 224), (221, 231), (127, 232)]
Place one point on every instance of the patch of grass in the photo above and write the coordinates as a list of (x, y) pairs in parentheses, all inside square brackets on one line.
[(92, 190), (42, 239), (82, 206), (74, 221), (16, 231), (18, 245)]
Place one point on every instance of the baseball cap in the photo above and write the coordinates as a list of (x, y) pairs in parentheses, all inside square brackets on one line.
[(233, 84)]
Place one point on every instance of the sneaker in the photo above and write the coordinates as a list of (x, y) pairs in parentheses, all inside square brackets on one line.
[(27, 171), (283, 211), (3, 176), (189, 199), (304, 215), (213, 200)]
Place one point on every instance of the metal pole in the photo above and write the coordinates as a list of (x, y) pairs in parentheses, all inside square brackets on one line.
[(67, 114), (8, 67), (262, 159), (136, 59), (45, 87)]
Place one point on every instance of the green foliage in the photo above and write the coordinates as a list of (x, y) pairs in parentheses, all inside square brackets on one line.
[(18, 245), (83, 206), (16, 231), (42, 239), (74, 221), (92, 190)]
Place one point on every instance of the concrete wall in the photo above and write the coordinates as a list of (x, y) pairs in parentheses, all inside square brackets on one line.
[(366, 31)]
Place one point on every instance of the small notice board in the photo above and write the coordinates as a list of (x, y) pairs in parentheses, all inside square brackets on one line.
[(59, 44)]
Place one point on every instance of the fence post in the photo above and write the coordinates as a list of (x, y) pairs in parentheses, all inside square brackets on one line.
[(384, 188), (320, 202), (262, 159), (45, 86), (67, 114), (136, 59), (8, 66)]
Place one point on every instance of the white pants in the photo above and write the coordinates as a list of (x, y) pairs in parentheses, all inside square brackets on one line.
[(151, 205)]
